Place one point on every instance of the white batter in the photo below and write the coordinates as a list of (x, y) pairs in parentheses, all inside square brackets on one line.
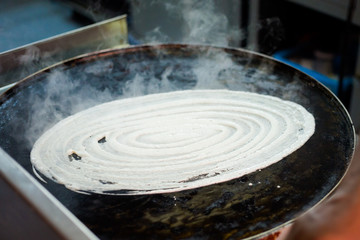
[(170, 141)]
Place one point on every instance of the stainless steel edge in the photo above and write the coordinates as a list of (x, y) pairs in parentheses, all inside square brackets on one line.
[(59, 217), (3, 89), (17, 63)]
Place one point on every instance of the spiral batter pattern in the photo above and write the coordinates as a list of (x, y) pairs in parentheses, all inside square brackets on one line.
[(170, 141)]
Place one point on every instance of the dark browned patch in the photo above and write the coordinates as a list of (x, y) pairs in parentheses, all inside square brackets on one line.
[(74, 156)]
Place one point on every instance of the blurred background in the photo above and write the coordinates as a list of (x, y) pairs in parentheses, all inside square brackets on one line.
[(320, 37)]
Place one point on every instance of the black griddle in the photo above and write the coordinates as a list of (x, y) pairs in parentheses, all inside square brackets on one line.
[(248, 207)]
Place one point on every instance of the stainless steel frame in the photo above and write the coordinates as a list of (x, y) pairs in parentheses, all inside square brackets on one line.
[(49, 218), (27, 209), (21, 62)]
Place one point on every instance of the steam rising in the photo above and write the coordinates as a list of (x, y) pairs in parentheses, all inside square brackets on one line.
[(203, 25), (197, 22), (60, 100)]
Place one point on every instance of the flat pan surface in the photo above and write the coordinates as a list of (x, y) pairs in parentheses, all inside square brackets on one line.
[(244, 207)]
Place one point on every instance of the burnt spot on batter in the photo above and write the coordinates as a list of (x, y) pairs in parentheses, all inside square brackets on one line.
[(195, 178), (106, 182), (102, 140), (74, 156)]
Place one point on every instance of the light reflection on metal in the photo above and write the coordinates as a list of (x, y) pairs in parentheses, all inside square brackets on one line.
[(20, 62)]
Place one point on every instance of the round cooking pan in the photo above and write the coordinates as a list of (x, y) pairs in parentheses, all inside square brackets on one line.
[(248, 207)]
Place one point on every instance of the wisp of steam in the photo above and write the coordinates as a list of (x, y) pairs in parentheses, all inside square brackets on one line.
[(203, 24)]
